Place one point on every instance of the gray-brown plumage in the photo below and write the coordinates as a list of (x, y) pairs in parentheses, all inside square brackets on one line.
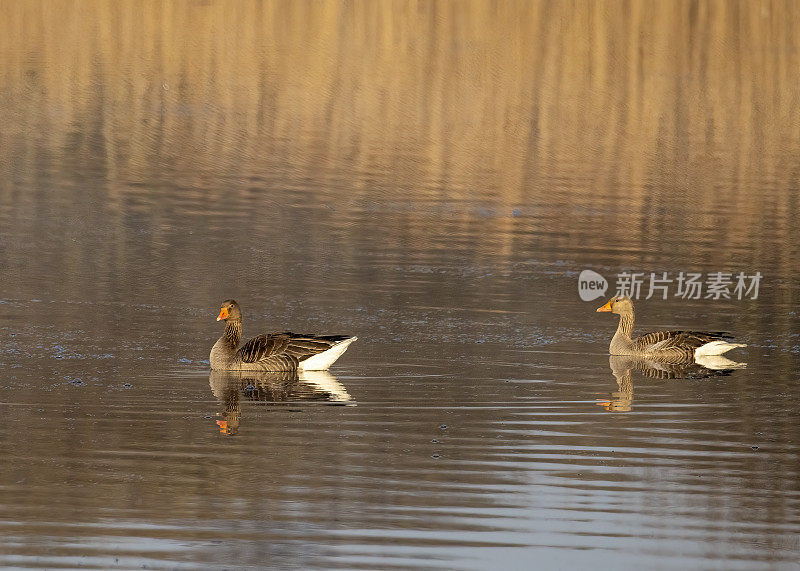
[(671, 346), (285, 351)]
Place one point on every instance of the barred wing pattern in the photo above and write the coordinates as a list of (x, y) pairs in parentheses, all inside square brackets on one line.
[(284, 351), (676, 344)]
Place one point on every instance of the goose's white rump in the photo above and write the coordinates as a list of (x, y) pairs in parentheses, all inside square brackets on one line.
[(716, 348), (322, 361)]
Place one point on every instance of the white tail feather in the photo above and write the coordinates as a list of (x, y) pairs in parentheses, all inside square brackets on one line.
[(322, 361), (715, 348)]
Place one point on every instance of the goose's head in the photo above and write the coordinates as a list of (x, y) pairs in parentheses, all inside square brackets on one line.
[(229, 311), (618, 304)]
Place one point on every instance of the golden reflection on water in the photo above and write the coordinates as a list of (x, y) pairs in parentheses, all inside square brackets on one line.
[(661, 126), (610, 112), (510, 96)]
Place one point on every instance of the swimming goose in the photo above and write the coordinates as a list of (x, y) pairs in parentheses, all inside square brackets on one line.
[(276, 352), (669, 345)]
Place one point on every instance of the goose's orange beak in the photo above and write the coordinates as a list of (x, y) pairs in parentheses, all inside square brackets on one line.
[(223, 314), (606, 307)]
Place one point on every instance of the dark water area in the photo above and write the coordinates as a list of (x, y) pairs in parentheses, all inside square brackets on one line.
[(433, 178)]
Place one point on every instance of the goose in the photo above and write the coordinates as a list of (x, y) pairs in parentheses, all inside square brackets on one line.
[(273, 352), (668, 345)]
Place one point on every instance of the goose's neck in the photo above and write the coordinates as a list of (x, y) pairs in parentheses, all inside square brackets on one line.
[(233, 333), (625, 327)]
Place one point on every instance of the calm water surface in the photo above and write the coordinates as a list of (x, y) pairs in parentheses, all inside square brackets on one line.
[(432, 178)]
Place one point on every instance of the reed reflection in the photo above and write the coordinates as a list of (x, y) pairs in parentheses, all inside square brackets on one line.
[(622, 367), (230, 387)]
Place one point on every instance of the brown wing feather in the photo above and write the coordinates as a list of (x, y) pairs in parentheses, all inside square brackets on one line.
[(676, 342), (286, 348), (262, 347)]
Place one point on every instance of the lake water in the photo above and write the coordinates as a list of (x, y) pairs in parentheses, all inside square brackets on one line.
[(432, 177)]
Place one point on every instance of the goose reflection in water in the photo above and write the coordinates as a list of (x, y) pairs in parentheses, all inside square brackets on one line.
[(230, 387), (623, 366)]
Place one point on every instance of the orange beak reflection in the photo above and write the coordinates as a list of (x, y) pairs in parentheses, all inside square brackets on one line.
[(223, 314), (606, 307)]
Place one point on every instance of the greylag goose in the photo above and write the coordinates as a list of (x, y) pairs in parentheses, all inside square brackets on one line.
[(673, 346), (275, 352)]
